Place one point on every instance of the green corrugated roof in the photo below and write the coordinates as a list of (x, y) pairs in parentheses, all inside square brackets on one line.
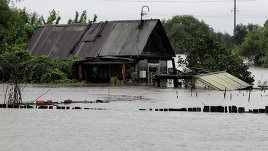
[(222, 81)]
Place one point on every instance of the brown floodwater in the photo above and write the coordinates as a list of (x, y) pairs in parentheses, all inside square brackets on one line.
[(121, 126)]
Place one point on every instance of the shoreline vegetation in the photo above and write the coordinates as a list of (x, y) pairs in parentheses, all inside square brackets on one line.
[(55, 85)]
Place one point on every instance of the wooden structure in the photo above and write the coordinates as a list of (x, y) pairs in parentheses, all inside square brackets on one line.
[(108, 49), (211, 80), (174, 77)]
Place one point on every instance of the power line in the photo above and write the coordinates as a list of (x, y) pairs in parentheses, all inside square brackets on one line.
[(178, 1), (220, 15)]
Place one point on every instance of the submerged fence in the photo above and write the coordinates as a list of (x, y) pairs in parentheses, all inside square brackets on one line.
[(212, 109), (205, 109)]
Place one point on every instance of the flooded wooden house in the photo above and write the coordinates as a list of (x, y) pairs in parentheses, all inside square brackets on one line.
[(123, 49)]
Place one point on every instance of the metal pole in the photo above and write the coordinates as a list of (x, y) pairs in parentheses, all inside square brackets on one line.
[(175, 80), (142, 11)]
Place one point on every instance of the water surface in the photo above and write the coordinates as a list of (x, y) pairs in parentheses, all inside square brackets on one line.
[(121, 126)]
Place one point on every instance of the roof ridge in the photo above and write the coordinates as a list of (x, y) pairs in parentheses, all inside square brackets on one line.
[(86, 24)]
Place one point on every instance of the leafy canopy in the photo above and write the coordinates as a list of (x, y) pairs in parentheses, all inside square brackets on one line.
[(255, 46), (82, 18), (16, 28), (204, 52), (180, 28)]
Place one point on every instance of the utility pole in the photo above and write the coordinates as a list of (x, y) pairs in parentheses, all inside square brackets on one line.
[(234, 16)]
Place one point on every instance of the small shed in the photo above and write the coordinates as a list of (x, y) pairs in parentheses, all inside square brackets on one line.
[(108, 49), (220, 81)]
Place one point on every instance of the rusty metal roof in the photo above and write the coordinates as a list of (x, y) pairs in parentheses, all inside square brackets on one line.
[(56, 41), (113, 38)]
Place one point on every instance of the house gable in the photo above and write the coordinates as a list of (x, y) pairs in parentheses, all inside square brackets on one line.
[(158, 45)]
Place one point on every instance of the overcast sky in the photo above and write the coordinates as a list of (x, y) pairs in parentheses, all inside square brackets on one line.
[(217, 13)]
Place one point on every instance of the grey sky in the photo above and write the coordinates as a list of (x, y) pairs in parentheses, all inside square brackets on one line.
[(217, 13)]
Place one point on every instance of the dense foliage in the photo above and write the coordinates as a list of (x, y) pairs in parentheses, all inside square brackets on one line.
[(47, 70), (205, 48), (12, 64), (53, 18), (180, 28), (32, 69), (249, 41), (255, 46), (241, 32), (82, 18), (204, 52), (16, 28)]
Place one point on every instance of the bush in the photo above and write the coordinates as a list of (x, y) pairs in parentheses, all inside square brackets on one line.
[(134, 77), (53, 75), (47, 70), (26, 68), (12, 64), (115, 81)]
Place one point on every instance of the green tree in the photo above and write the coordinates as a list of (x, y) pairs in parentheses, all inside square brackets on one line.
[(179, 28), (266, 24), (17, 30), (12, 64), (5, 12), (53, 18), (240, 33), (264, 42), (255, 46), (225, 39), (204, 52), (81, 18), (251, 27), (95, 18)]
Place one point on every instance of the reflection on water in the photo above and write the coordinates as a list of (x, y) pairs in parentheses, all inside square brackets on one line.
[(123, 127)]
